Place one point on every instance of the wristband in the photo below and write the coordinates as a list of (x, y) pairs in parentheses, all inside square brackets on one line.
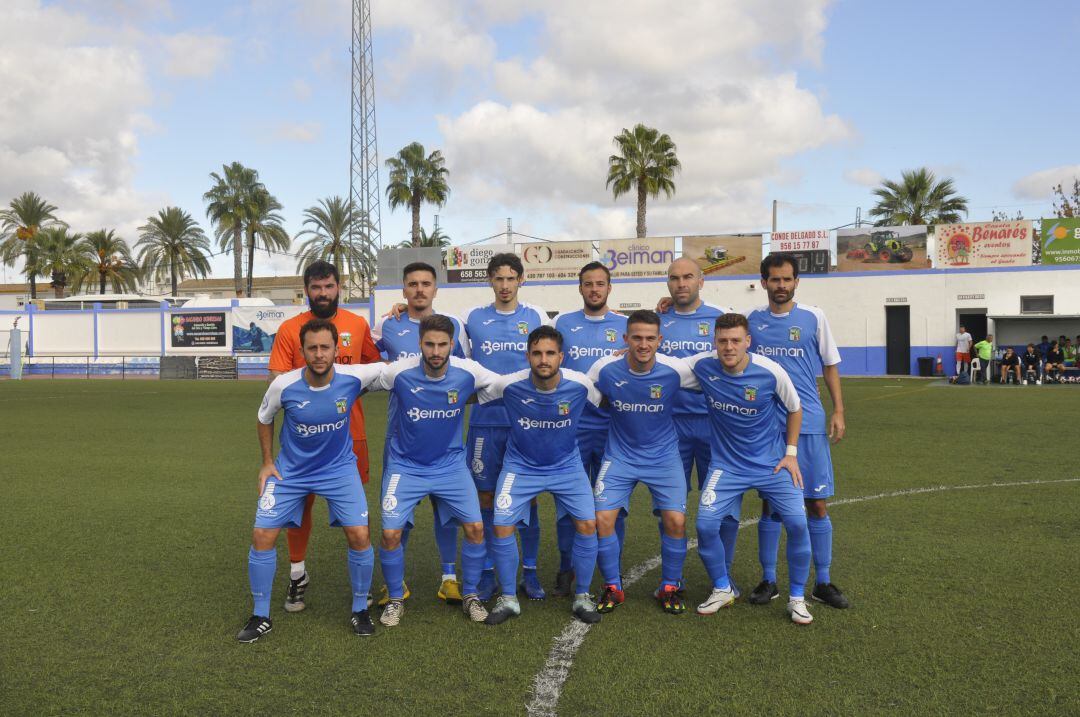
[(791, 451)]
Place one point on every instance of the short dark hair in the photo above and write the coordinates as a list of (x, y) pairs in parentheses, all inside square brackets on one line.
[(318, 325), (320, 270), (732, 320), (644, 316), (778, 260), (593, 266), (506, 259), (419, 266), (1031, 346), (437, 322), (544, 332)]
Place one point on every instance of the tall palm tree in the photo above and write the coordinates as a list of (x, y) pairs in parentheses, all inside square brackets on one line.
[(61, 257), (172, 244), (328, 227), (228, 205), (110, 262), (19, 225), (416, 178), (646, 162), (918, 198), (264, 225)]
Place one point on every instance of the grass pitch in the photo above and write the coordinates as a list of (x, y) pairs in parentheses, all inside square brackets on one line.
[(128, 508)]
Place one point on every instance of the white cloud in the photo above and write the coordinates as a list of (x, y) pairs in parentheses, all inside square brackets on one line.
[(194, 55), (1037, 185), (303, 132), (863, 176)]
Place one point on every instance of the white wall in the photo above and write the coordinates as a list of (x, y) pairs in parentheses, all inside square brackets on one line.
[(129, 333)]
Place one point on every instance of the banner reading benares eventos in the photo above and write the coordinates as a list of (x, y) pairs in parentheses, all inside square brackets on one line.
[(985, 244), (555, 261)]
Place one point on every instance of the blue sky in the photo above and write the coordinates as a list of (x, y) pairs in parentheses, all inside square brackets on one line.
[(806, 101)]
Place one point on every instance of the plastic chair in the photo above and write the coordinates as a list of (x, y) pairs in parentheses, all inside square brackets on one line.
[(976, 366)]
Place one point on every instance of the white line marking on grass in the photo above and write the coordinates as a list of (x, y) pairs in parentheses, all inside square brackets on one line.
[(548, 683)]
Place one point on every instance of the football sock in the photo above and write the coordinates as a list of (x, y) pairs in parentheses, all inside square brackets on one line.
[(298, 537), (729, 532), (768, 535), (530, 539), (620, 530), (607, 559), (406, 531), (672, 557), (564, 535), (472, 563), (798, 553), (361, 565), (488, 516), (821, 546), (584, 561), (261, 567), (297, 570), (711, 550), (393, 571), (446, 535), (506, 562)]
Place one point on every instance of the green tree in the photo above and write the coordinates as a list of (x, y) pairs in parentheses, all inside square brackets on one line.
[(327, 226), (1067, 205), (264, 227), (918, 198), (20, 223), (172, 244), (416, 178), (110, 262), (61, 257), (228, 206), (435, 239), (646, 162)]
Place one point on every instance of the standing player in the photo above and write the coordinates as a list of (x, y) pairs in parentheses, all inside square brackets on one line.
[(544, 406), (748, 395), (426, 457), (498, 334), (398, 337), (641, 389), (590, 334), (316, 457), (799, 339)]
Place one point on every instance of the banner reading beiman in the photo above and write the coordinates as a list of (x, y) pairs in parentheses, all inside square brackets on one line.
[(638, 258)]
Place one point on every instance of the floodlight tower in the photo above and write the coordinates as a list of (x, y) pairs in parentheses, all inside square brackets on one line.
[(363, 149)]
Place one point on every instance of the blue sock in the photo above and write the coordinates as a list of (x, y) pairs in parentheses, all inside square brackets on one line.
[(530, 539), (620, 530), (506, 563), (798, 554), (446, 539), (729, 531), (393, 571), (405, 531), (711, 550), (768, 535), (672, 557), (261, 567), (472, 563), (564, 534), (361, 565), (584, 561), (488, 516), (607, 559), (821, 546)]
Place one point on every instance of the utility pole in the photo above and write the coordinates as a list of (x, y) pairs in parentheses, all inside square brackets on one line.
[(774, 203), (363, 147)]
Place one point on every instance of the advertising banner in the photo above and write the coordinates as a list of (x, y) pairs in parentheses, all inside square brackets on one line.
[(468, 264), (554, 261), (881, 248), (197, 330), (393, 259), (724, 253), (986, 244), (254, 327), (1060, 240), (638, 258), (806, 240)]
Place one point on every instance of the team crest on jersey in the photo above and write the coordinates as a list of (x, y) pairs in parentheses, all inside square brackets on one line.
[(794, 333), (342, 405), (451, 396), (656, 391), (610, 335), (346, 338), (564, 408), (750, 392), (523, 328), (703, 328)]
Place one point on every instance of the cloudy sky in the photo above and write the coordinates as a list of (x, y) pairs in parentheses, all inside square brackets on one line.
[(112, 109)]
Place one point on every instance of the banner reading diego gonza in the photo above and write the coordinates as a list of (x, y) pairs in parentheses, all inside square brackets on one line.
[(986, 244), (554, 261), (254, 327), (638, 258), (1060, 241), (468, 264)]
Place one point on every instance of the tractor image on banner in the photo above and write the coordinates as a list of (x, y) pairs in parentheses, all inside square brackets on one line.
[(881, 248)]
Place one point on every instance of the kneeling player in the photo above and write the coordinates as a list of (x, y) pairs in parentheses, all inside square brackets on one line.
[(316, 457), (747, 395), (543, 405), (643, 446)]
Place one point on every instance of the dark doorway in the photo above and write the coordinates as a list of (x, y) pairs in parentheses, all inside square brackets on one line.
[(898, 340), (974, 323)]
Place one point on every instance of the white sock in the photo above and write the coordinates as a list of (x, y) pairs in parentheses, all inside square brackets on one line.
[(449, 576), (959, 365), (297, 570)]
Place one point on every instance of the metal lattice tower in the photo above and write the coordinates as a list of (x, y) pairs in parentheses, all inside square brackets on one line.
[(363, 150)]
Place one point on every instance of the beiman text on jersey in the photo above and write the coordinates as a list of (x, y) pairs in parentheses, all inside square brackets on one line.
[(587, 340), (686, 334)]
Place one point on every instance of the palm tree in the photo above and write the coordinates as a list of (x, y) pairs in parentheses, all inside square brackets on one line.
[(61, 257), (110, 262), (646, 161), (414, 179), (173, 244), (918, 198), (19, 225), (435, 239), (264, 226), (328, 226), (228, 204)]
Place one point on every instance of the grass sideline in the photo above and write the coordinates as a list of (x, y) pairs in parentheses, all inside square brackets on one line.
[(129, 508)]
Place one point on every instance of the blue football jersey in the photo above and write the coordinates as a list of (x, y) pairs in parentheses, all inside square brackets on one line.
[(542, 437), (586, 340), (431, 411), (744, 410), (499, 341), (314, 437), (684, 336), (802, 343), (642, 408)]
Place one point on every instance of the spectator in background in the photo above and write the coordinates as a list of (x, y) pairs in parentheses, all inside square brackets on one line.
[(1032, 361), (1010, 364), (963, 350), (1069, 352), (1044, 347), (985, 351), (1055, 364)]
